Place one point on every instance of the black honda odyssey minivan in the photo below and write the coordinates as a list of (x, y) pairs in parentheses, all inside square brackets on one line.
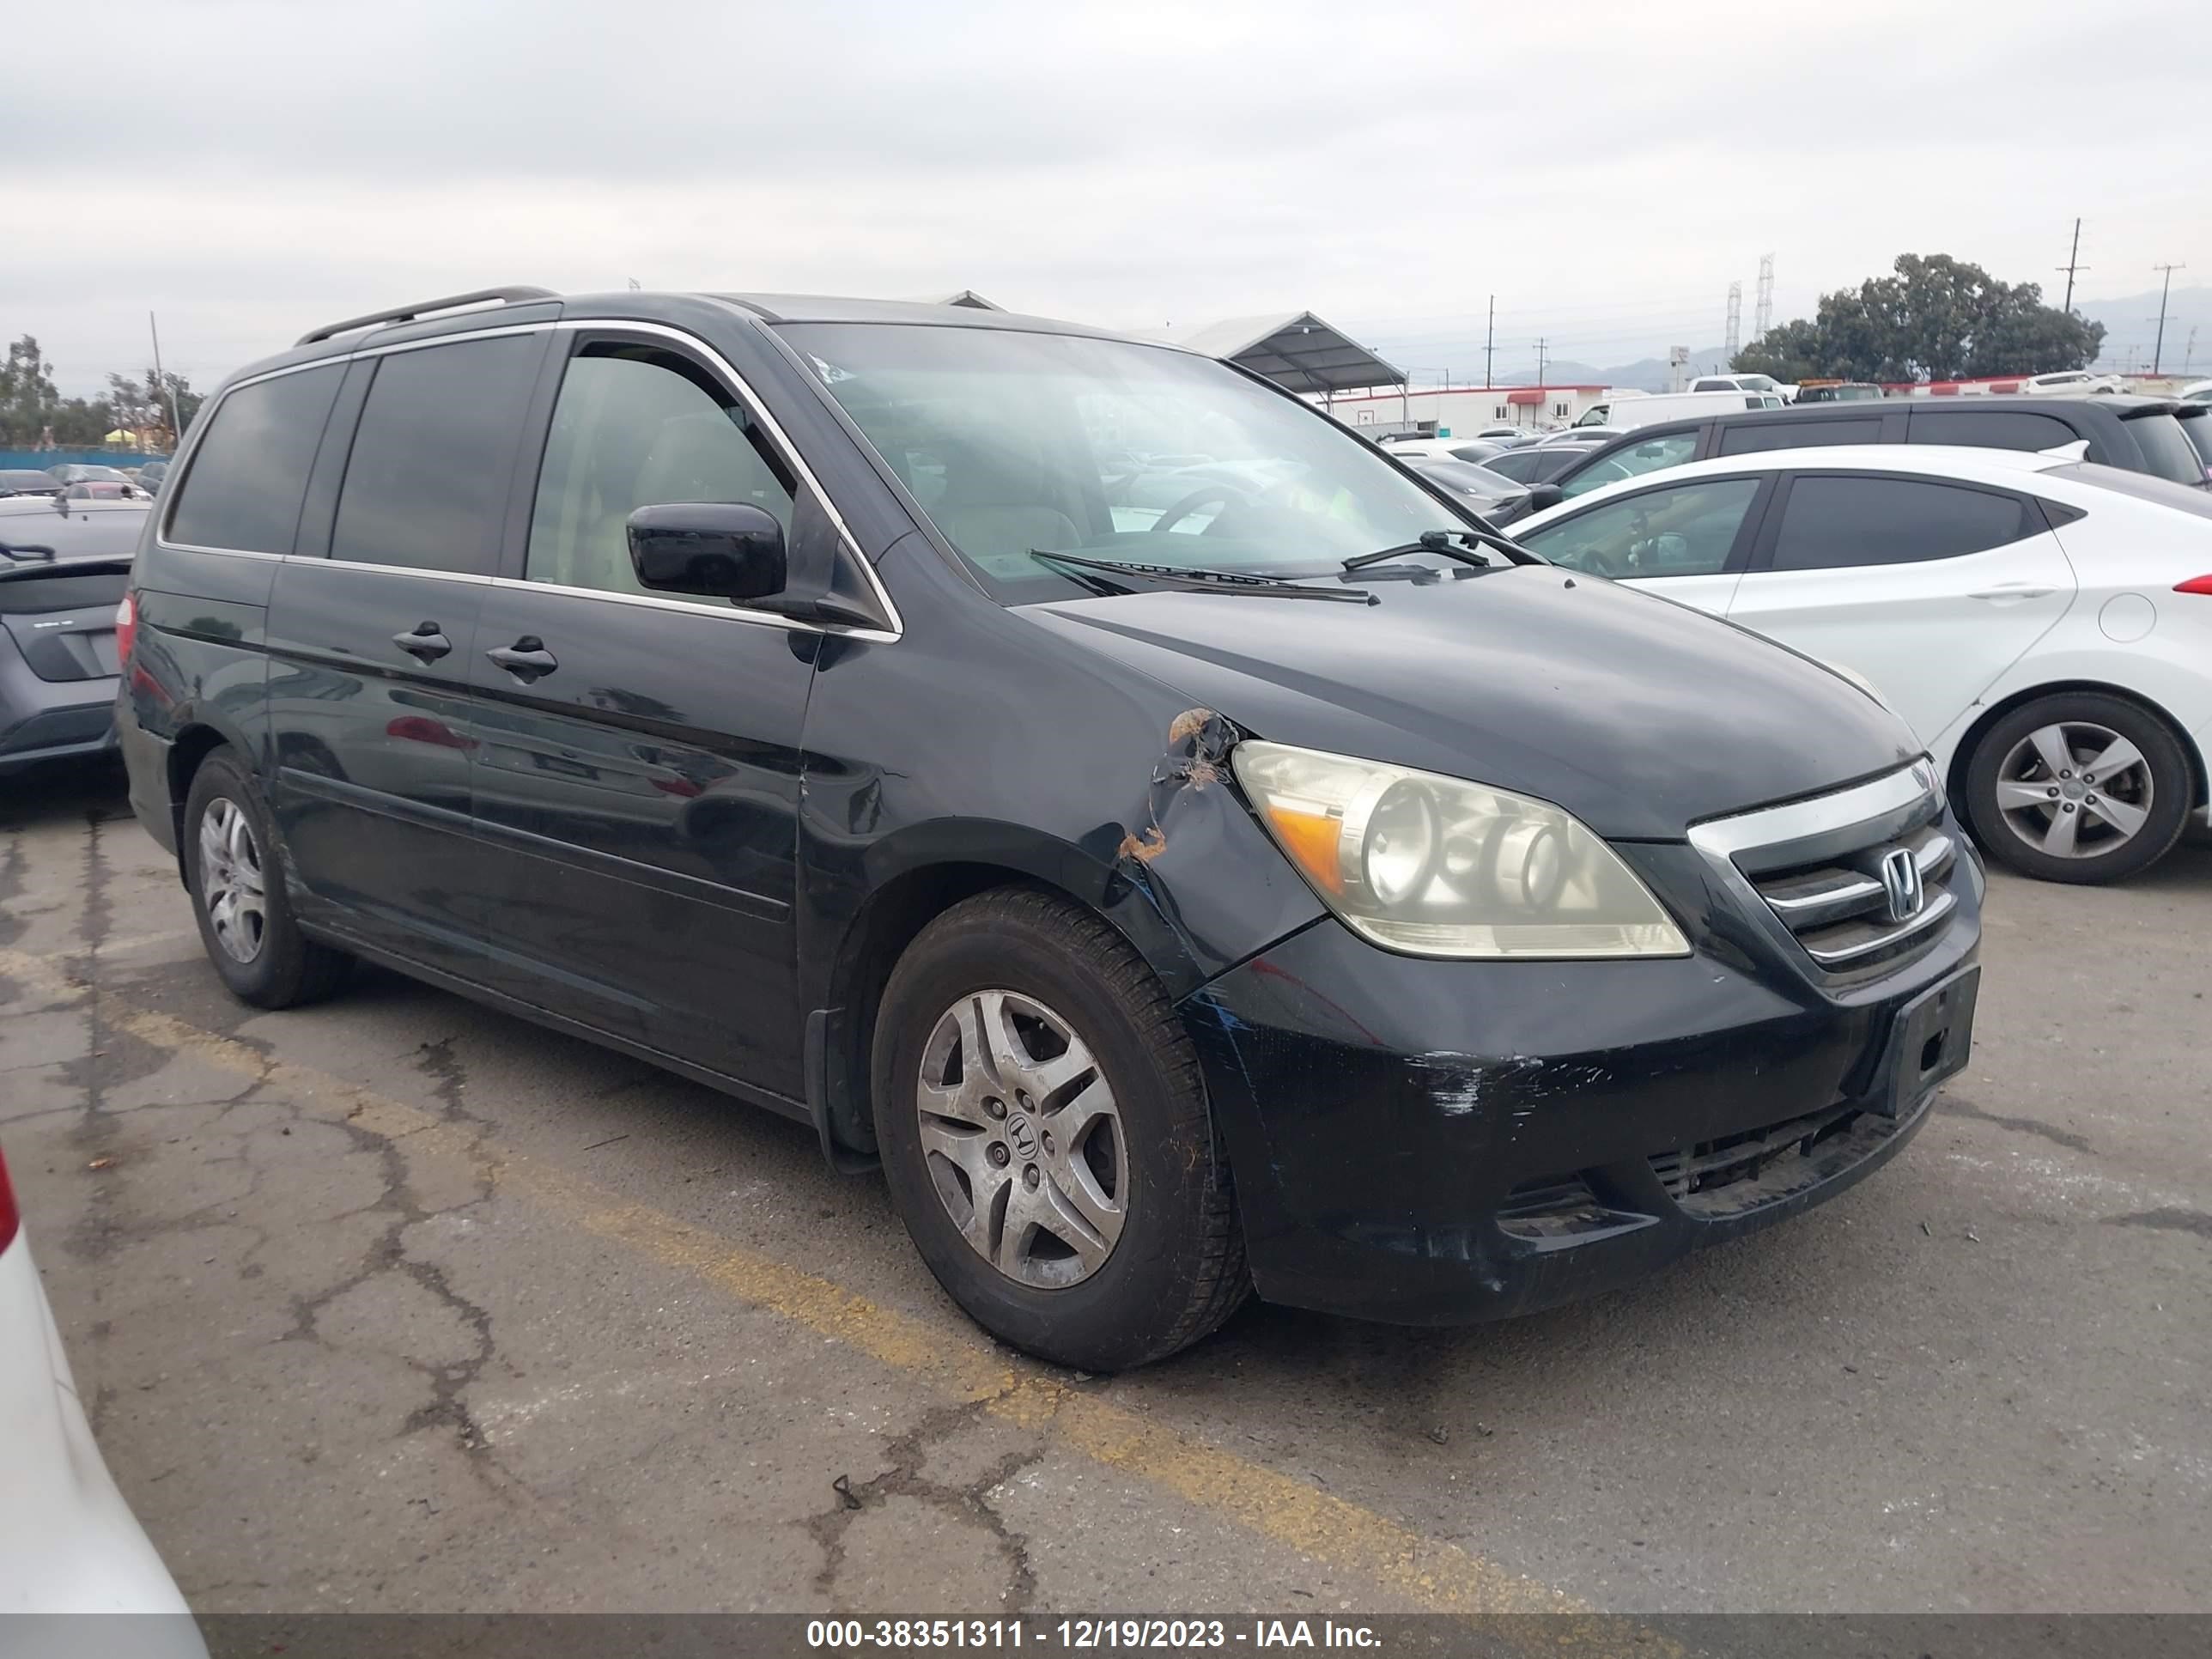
[(1190, 854)]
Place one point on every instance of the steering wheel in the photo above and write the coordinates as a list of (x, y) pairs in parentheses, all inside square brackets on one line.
[(1196, 499)]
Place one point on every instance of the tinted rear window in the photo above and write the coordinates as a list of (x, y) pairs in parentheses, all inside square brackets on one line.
[(1830, 523), (1991, 428), (1752, 435), (2142, 486), (26, 596), (2167, 452), (426, 484), (2198, 431), (249, 472)]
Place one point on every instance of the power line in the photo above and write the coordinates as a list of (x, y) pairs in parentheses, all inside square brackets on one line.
[(2158, 350), (2073, 264), (1734, 318), (1762, 318)]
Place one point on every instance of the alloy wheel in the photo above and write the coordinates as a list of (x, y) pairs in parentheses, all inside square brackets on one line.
[(1023, 1138), (2074, 789), (231, 881)]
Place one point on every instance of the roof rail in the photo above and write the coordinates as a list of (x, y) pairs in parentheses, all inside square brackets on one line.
[(423, 308)]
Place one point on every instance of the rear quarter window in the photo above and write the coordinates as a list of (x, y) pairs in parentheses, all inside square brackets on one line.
[(1836, 522), (1752, 435), (1993, 429), (249, 474)]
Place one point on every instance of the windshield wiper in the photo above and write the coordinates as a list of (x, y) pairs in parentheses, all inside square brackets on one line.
[(1440, 540), (1210, 581)]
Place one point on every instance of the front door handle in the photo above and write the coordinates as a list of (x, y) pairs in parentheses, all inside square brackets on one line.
[(2013, 591), (425, 640), (526, 659)]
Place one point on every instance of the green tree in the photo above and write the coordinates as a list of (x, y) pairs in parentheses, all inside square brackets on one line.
[(27, 395), (1789, 352), (1933, 317), (145, 401)]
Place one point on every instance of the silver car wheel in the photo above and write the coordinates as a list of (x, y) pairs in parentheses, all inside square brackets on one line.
[(2074, 789), (231, 882), (1023, 1138)]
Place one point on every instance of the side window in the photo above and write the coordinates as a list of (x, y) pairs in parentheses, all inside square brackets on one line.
[(1685, 530), (426, 484), (1993, 428), (1834, 523), (250, 473), (638, 425), (1749, 436), (1632, 461)]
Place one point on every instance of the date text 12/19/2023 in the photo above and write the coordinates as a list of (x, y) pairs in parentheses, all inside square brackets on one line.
[(1086, 1635)]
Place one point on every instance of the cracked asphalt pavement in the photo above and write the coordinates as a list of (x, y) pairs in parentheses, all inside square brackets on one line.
[(399, 1305)]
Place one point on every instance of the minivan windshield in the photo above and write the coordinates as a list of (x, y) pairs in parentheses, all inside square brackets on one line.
[(1013, 441)]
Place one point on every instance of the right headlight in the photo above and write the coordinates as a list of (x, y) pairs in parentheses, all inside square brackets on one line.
[(1438, 866)]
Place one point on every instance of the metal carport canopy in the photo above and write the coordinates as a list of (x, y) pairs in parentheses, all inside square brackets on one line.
[(1295, 349)]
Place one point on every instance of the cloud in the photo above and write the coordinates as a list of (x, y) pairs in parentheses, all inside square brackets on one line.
[(1130, 164)]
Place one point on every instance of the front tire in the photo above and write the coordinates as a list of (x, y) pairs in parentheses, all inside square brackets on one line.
[(1046, 1136), (233, 870), (2079, 786)]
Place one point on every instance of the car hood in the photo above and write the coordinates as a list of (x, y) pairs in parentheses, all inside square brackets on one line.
[(1638, 715)]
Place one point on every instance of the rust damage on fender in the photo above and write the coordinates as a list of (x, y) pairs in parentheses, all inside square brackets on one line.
[(1198, 742)]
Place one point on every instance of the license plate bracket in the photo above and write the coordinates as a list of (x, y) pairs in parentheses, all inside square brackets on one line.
[(1930, 1040)]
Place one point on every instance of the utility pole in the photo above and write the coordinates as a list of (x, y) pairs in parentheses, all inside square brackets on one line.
[(2189, 352), (1490, 345), (1762, 318), (2073, 264), (2158, 350), (1734, 320), (1540, 364), (161, 385)]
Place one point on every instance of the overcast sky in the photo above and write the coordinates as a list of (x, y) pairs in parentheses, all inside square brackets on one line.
[(250, 170)]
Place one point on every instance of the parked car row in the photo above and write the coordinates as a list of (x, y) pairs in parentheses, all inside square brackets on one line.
[(85, 480), (2044, 623), (2164, 438)]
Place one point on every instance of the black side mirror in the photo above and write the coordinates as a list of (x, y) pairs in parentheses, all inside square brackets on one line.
[(1543, 495), (720, 549)]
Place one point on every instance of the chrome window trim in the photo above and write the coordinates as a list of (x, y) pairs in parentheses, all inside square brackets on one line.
[(797, 462), (466, 578), (694, 607), (720, 365), (227, 552)]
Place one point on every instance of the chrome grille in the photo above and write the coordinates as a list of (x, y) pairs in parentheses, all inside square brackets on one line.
[(1818, 866)]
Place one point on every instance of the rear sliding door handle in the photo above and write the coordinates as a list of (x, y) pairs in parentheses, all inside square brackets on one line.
[(526, 659), (2013, 591), (425, 640)]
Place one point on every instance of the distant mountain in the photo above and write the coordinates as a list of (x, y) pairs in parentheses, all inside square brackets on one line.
[(2131, 329)]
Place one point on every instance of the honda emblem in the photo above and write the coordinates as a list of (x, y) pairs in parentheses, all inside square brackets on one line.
[(1900, 880)]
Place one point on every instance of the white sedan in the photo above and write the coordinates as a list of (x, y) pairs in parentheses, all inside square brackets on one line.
[(2044, 623), (69, 1544)]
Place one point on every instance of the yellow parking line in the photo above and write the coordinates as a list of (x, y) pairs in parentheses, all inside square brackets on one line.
[(1435, 1575)]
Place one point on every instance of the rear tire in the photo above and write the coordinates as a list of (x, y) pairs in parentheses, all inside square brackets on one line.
[(1069, 1191), (234, 871), (2038, 803)]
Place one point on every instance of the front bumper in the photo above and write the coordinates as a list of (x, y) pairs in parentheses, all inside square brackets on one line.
[(1433, 1142)]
